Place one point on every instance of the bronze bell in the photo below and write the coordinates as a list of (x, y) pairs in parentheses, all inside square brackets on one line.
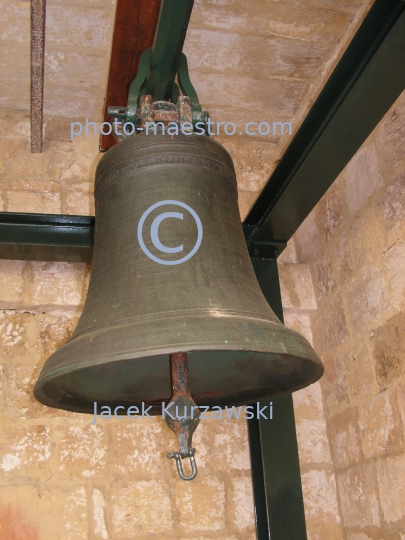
[(171, 273)]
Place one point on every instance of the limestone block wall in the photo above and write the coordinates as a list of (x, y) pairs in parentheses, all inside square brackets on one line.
[(77, 50), (265, 62), (249, 62), (317, 471), (354, 245), (60, 180)]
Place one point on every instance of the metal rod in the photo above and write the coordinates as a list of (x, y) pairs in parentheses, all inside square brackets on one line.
[(179, 370), (37, 72), (184, 416)]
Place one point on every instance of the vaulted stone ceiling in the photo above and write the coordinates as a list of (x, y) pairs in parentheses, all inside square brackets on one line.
[(263, 60)]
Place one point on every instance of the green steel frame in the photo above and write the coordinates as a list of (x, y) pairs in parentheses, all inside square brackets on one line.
[(279, 506), (366, 82), (166, 51), (46, 237)]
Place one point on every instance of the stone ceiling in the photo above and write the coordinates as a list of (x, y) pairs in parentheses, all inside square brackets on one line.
[(263, 60)]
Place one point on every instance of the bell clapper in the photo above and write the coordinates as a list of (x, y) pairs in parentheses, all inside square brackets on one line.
[(183, 417)]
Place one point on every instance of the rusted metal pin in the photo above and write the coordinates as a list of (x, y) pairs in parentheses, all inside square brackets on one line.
[(37, 72), (179, 373), (182, 415)]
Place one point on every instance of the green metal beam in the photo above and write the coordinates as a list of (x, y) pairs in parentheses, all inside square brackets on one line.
[(273, 445), (366, 82), (169, 40), (159, 65), (59, 237), (46, 237)]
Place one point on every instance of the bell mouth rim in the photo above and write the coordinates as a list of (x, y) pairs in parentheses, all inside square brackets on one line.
[(191, 321), (127, 357), (232, 360), (261, 394)]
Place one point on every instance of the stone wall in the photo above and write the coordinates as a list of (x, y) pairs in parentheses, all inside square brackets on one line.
[(77, 51), (317, 471), (354, 246), (264, 62), (257, 61)]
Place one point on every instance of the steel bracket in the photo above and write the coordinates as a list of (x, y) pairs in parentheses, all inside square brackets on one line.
[(134, 111), (158, 67), (266, 250), (188, 89)]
